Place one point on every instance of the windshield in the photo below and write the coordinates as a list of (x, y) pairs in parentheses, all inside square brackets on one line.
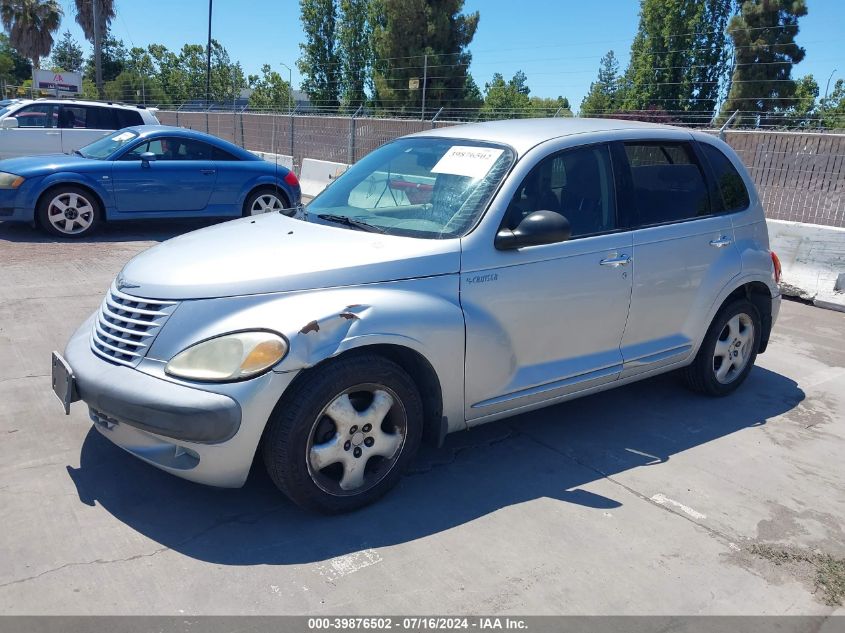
[(108, 145), (432, 188), (5, 109)]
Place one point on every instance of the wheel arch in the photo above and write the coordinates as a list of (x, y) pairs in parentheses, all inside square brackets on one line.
[(760, 295), (69, 183), (279, 190), (416, 365)]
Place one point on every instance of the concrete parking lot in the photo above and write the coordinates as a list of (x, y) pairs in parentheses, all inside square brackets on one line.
[(644, 500)]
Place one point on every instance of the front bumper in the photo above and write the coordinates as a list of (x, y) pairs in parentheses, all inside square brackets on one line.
[(206, 436)]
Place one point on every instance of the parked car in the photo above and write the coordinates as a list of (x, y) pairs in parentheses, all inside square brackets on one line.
[(142, 173), (535, 261), (52, 126)]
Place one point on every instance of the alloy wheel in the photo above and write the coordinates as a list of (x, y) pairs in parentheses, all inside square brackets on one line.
[(733, 348), (70, 213), (356, 440), (266, 203)]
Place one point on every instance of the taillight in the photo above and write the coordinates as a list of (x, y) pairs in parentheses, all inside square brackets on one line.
[(291, 179), (777, 267)]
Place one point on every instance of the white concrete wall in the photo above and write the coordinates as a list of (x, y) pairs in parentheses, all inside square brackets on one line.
[(280, 159), (317, 174), (813, 260)]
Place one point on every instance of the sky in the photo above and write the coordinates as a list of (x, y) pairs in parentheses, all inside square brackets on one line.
[(557, 43)]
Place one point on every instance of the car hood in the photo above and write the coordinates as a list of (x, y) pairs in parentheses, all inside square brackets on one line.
[(274, 253), (28, 166)]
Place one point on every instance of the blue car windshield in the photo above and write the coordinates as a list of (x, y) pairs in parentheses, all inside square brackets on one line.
[(108, 145), (433, 188)]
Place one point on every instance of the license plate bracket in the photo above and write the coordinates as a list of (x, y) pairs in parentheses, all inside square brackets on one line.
[(64, 382)]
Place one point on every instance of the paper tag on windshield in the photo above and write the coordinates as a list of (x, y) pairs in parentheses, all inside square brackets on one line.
[(473, 162), (123, 136)]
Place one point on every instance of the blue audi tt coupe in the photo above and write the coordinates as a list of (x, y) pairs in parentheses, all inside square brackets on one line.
[(143, 172)]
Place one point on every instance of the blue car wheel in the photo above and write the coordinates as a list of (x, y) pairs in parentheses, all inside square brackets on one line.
[(68, 211)]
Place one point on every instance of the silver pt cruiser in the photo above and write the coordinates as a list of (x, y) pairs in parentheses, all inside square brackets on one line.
[(450, 278)]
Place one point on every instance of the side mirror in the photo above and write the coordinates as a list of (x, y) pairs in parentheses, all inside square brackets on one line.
[(539, 227), (147, 158), (9, 122)]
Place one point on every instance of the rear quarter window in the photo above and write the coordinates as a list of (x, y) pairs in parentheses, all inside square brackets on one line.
[(128, 118), (730, 183)]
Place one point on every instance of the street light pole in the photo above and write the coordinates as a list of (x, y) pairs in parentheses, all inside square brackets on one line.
[(290, 87), (824, 101), (208, 61)]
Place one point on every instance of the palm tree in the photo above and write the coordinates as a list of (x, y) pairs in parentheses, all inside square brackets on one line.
[(31, 25), (95, 33)]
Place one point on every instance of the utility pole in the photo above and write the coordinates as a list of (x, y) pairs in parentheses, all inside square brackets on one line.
[(98, 54), (425, 81), (208, 61)]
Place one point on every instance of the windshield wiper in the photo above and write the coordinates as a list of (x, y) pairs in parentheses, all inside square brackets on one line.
[(78, 153), (356, 224)]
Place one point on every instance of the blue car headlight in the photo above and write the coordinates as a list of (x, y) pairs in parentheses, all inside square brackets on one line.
[(10, 181)]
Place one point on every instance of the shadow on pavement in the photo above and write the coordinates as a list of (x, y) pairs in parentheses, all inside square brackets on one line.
[(123, 231), (549, 453)]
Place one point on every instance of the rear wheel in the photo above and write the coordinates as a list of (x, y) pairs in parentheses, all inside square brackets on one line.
[(728, 350), (345, 435), (265, 200), (69, 211)]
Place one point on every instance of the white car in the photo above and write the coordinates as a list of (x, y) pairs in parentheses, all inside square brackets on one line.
[(53, 126)]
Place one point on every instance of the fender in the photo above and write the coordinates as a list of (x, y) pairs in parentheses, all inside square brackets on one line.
[(263, 179), (102, 188), (422, 315)]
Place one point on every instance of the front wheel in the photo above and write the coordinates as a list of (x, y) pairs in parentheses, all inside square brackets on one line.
[(728, 351), (69, 211), (344, 436)]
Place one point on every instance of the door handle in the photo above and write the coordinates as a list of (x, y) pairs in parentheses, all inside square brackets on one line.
[(721, 242), (207, 172), (616, 261), (53, 133)]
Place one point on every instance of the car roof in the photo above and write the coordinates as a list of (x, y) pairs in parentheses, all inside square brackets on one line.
[(155, 131), (523, 134), (108, 104)]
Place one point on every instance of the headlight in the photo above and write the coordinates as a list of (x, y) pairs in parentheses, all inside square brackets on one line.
[(10, 181), (229, 357)]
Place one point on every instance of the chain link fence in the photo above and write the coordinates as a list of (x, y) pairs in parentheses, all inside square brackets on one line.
[(800, 175)]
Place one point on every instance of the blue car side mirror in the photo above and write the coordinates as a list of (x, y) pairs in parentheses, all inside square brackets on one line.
[(147, 158)]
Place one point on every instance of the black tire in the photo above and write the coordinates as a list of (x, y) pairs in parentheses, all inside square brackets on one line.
[(701, 375), (265, 191), (81, 218), (290, 437)]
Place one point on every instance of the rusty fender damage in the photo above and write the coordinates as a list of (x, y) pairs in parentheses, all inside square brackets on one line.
[(422, 315)]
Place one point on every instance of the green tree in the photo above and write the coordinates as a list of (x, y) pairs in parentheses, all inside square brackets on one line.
[(506, 99), (113, 58), (802, 112), (67, 54), (547, 107), (167, 69), (31, 25), (96, 33), (21, 68), (832, 107), (604, 96), (356, 56), (415, 38), (133, 87), (763, 36), (320, 62), (269, 90), (678, 56)]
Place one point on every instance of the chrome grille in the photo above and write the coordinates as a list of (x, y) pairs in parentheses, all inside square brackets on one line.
[(126, 326)]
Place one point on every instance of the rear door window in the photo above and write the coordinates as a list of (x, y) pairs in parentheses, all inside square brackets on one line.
[(668, 183), (101, 119), (730, 183)]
